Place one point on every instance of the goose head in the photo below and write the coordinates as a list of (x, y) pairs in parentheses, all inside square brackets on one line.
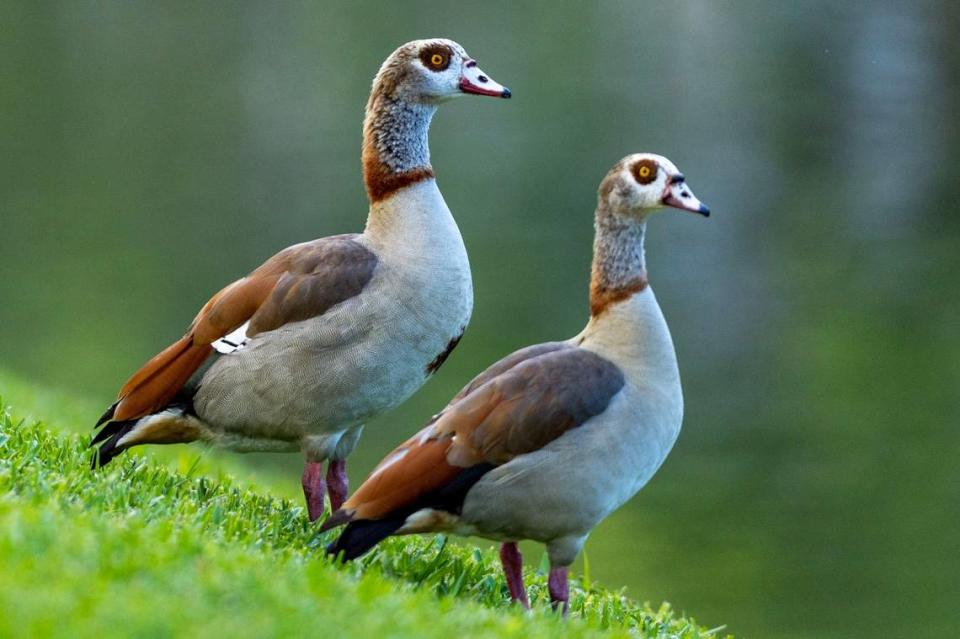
[(644, 182), (434, 71)]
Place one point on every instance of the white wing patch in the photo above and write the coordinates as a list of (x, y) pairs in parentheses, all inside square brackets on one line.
[(232, 342)]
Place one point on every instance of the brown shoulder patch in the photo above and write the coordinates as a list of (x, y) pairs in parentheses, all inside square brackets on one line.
[(508, 362), (318, 276), (530, 405)]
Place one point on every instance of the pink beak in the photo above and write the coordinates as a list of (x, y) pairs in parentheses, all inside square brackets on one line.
[(477, 82), (678, 195)]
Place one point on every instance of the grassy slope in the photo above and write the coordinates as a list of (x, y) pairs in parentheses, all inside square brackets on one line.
[(156, 549)]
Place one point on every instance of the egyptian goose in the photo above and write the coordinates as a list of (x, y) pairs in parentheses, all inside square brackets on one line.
[(301, 352), (549, 440)]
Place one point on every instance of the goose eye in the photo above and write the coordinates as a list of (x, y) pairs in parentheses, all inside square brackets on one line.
[(645, 171), (435, 58)]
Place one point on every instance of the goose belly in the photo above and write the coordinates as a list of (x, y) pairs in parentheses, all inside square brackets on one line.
[(329, 373)]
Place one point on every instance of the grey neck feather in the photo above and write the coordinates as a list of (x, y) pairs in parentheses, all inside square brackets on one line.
[(618, 260), (397, 129)]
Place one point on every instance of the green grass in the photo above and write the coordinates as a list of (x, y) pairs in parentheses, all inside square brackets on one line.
[(147, 548)]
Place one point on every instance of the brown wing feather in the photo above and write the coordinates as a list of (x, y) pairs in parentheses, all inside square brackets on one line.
[(404, 481), (524, 407), (509, 362), (156, 383), (306, 289), (298, 283)]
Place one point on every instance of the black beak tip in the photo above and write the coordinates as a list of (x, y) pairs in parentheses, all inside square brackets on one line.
[(506, 93), (704, 210)]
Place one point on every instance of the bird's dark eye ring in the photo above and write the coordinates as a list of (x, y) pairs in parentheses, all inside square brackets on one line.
[(645, 171), (436, 57)]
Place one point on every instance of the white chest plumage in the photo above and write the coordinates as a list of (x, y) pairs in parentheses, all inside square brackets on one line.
[(634, 336), (365, 355), (423, 256)]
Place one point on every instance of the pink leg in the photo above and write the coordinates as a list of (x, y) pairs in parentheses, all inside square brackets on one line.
[(513, 570), (337, 483), (559, 588), (313, 489)]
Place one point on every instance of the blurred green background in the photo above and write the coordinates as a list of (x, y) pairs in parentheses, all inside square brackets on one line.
[(151, 153)]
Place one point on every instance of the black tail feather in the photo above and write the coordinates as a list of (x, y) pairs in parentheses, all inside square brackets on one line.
[(360, 536), (107, 415), (107, 439), (110, 430), (336, 519), (363, 534)]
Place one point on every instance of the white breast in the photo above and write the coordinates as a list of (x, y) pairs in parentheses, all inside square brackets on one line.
[(647, 418), (416, 237), (633, 334)]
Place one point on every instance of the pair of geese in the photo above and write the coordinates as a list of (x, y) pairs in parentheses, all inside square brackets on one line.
[(325, 335)]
